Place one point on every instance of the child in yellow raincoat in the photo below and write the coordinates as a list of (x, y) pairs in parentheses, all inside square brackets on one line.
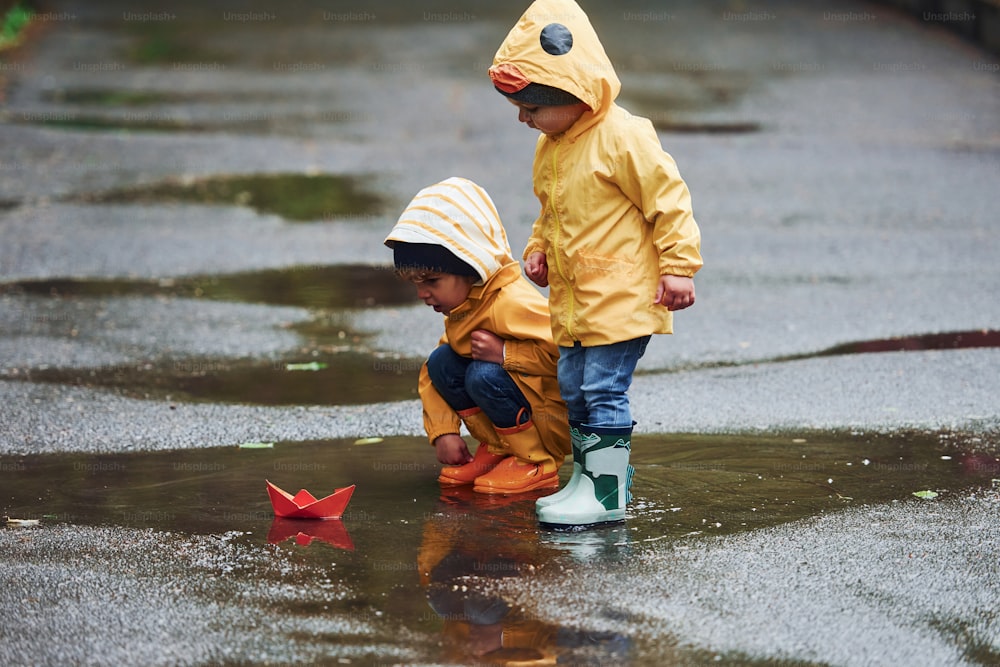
[(494, 368), (616, 241)]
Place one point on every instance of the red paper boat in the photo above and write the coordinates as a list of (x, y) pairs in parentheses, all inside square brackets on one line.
[(303, 505), (305, 531)]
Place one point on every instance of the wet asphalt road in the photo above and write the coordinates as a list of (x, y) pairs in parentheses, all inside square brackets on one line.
[(862, 208)]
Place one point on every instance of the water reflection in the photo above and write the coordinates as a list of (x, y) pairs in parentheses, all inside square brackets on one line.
[(339, 368), (470, 542), (305, 531), (605, 544), (445, 574), (683, 484), (314, 287), (328, 378), (295, 197), (939, 341)]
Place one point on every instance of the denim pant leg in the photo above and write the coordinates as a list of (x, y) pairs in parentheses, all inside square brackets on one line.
[(571, 362), (466, 383), (494, 390), (447, 373), (594, 381)]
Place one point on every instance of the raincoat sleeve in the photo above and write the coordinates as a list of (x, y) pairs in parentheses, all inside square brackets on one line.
[(536, 242), (649, 177), (439, 417), (530, 357), (526, 330)]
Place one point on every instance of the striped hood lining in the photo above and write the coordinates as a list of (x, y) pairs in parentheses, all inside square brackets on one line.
[(460, 216)]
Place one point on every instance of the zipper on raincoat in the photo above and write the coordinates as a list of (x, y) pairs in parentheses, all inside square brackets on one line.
[(571, 305)]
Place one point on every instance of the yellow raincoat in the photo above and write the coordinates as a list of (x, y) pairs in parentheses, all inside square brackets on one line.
[(459, 215), (615, 212)]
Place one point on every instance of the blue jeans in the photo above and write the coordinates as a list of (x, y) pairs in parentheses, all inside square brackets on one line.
[(594, 381), (466, 383)]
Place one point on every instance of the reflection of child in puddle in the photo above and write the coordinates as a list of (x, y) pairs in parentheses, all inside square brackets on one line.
[(466, 546), (474, 620), (469, 544)]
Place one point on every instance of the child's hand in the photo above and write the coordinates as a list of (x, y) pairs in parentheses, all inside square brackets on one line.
[(537, 269), (452, 450), (487, 346), (675, 292)]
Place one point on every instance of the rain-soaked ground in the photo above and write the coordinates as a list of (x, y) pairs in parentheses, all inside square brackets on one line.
[(194, 299), (334, 367), (427, 594)]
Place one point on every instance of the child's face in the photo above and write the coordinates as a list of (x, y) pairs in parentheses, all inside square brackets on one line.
[(550, 120), (443, 291)]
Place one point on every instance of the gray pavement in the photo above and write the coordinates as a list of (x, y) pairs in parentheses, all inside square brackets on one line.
[(863, 208)]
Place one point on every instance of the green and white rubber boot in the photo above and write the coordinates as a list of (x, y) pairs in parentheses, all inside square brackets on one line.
[(602, 490), (563, 493)]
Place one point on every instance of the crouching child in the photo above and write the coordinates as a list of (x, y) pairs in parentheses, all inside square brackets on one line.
[(494, 369)]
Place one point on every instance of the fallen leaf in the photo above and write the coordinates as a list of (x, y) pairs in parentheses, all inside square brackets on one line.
[(21, 522), (311, 366)]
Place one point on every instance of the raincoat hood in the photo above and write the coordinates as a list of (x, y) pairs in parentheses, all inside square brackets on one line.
[(458, 215), (554, 44)]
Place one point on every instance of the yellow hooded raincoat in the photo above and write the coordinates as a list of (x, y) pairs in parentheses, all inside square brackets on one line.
[(615, 212), (459, 215)]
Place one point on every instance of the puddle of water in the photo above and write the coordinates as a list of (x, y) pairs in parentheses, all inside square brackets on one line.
[(679, 110), (331, 369), (113, 97), (940, 341), (427, 557), (705, 127), (683, 484), (124, 110), (315, 287), (338, 378), (126, 97), (147, 123), (159, 44), (295, 197), (730, 484), (954, 340)]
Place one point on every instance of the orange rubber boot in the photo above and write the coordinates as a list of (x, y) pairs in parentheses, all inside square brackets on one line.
[(489, 453), (529, 468), (483, 462)]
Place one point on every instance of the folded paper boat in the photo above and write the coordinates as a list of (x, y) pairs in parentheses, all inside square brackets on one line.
[(304, 505)]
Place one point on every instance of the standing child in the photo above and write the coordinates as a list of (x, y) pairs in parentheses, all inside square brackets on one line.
[(616, 242), (495, 366)]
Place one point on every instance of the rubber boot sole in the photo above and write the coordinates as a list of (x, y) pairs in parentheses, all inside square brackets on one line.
[(550, 482), (481, 464), (571, 523), (579, 511)]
